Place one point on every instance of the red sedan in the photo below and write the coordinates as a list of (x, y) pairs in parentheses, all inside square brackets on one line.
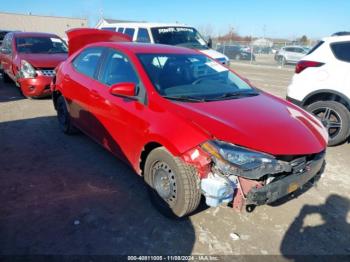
[(29, 59), (186, 123)]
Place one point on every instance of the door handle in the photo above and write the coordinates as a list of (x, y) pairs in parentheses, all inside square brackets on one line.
[(94, 94)]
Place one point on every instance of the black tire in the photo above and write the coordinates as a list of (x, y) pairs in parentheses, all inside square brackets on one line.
[(184, 194), (335, 117), (64, 119)]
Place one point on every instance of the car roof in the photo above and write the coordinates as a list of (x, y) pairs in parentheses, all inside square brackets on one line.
[(332, 39), (147, 24), (33, 34), (144, 48)]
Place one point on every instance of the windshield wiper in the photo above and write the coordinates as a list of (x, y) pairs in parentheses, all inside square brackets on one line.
[(185, 98), (230, 95)]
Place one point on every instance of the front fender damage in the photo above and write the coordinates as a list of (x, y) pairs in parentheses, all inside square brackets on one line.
[(240, 191), (207, 173)]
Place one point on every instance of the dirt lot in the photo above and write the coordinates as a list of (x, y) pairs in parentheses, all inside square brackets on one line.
[(66, 195)]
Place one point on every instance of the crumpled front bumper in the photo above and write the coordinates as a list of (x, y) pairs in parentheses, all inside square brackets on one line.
[(290, 183)]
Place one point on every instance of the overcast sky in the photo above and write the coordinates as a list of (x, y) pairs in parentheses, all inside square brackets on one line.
[(273, 18)]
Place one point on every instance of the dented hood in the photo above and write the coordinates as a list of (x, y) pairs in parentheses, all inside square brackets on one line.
[(79, 37), (263, 123)]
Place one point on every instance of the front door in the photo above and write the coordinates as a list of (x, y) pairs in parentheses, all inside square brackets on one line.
[(122, 121)]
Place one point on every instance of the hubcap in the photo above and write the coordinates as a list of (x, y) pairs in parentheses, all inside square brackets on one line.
[(330, 119), (164, 181)]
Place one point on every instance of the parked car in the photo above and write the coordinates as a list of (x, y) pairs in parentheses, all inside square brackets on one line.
[(186, 123), (321, 85), (29, 60), (262, 50), (168, 34), (290, 54), (235, 52)]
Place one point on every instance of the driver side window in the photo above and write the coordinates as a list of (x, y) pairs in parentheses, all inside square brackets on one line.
[(118, 69)]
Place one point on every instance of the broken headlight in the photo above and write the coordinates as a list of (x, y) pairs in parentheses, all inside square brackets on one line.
[(235, 160)]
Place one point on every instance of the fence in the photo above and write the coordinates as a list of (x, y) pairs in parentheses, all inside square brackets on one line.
[(260, 51)]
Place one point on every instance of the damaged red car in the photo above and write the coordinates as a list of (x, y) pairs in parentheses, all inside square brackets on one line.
[(29, 59), (186, 123)]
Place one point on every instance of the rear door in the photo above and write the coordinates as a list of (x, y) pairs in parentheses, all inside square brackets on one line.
[(289, 53), (341, 67), (299, 53), (78, 80)]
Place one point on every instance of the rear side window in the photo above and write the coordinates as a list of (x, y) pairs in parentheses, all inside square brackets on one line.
[(315, 47), (87, 61), (341, 51), (143, 36), (120, 29), (109, 28), (129, 32)]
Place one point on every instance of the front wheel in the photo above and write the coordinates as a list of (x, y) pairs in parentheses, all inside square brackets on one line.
[(63, 117), (335, 117), (173, 186)]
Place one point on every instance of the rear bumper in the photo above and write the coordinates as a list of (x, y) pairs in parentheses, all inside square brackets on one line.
[(282, 187), (35, 87)]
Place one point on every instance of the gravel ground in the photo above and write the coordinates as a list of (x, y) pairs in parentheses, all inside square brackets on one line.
[(67, 195)]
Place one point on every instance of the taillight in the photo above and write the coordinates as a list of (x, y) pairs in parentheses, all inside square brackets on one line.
[(305, 64)]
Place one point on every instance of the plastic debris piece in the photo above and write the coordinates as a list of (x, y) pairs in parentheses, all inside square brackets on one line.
[(234, 236)]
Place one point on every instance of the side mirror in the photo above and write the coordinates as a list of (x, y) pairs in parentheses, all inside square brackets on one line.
[(123, 89), (210, 42)]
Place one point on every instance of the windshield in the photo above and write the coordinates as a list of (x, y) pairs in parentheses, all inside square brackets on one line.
[(193, 77), (182, 36), (40, 45)]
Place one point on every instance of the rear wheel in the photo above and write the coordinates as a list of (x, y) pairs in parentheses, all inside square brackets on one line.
[(335, 117), (173, 186), (63, 117)]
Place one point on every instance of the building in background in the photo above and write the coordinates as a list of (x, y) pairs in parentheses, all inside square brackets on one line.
[(38, 23)]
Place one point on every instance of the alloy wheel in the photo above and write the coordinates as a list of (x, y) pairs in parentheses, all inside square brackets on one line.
[(330, 119)]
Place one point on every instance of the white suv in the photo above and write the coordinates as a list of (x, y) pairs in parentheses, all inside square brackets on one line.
[(168, 34), (321, 84)]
